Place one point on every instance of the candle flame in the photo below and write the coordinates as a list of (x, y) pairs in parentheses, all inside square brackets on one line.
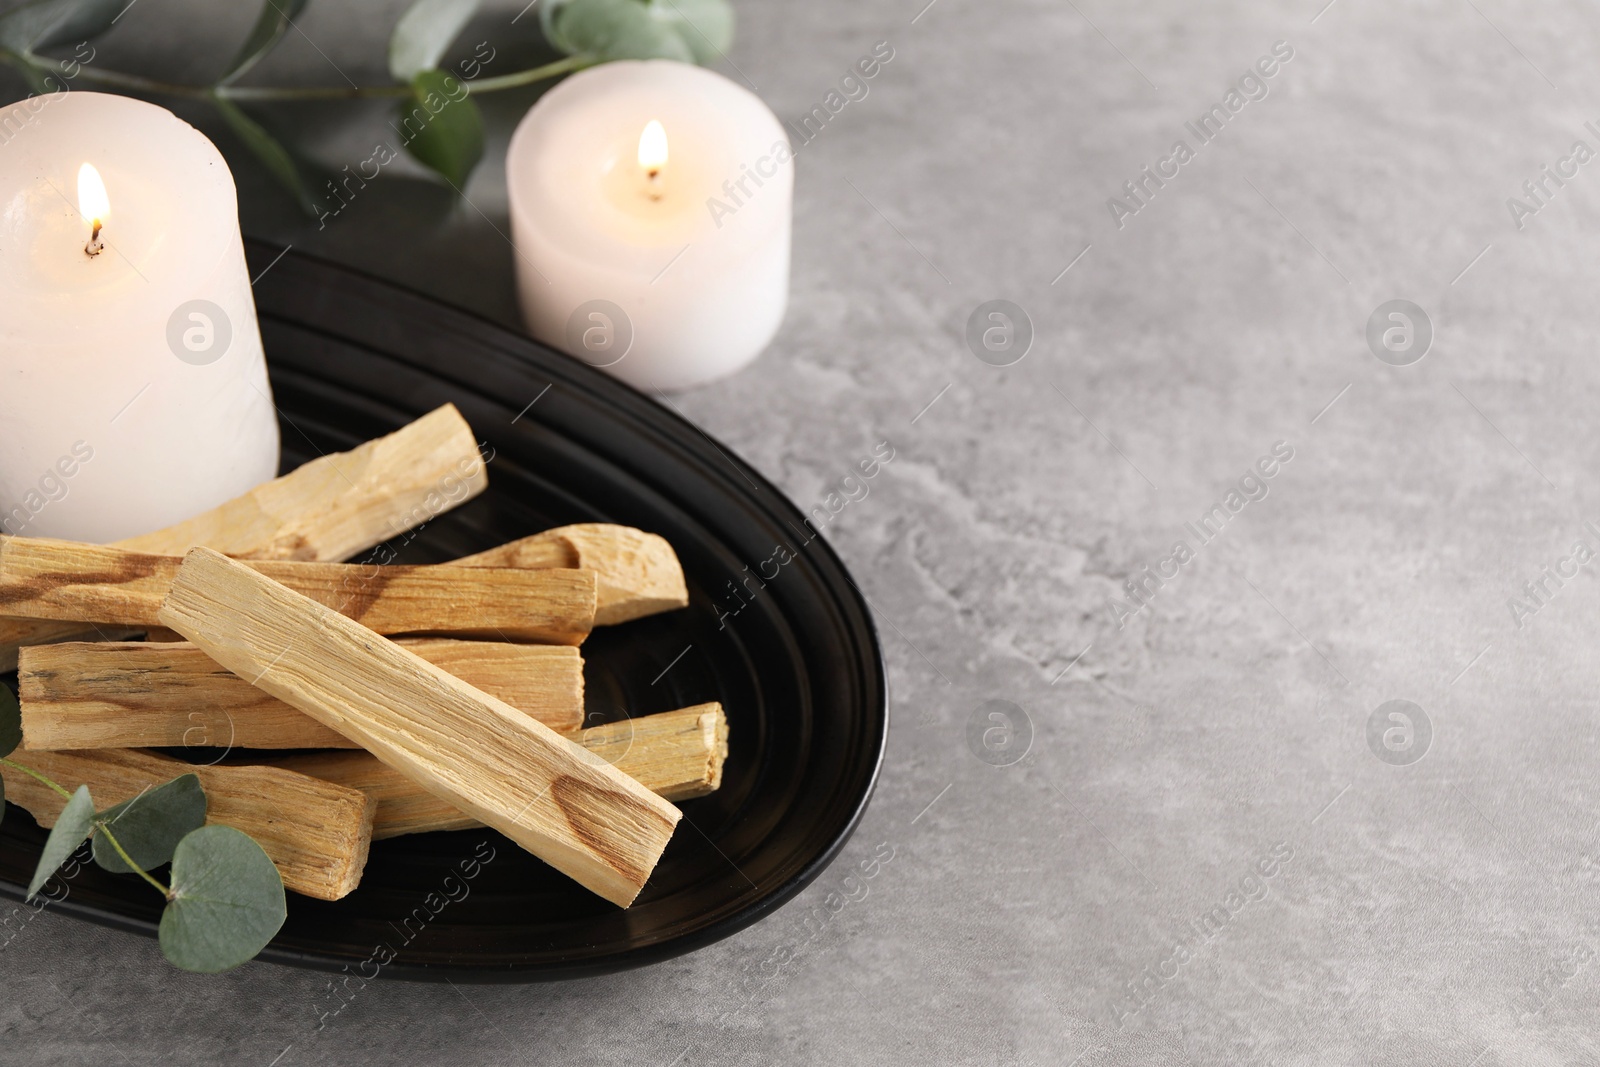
[(93, 202), (653, 147)]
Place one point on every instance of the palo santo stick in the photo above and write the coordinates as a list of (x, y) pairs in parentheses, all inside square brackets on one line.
[(578, 814), (677, 755), (316, 831), (639, 573), (636, 573), (103, 694), (98, 583), (328, 509), (344, 503)]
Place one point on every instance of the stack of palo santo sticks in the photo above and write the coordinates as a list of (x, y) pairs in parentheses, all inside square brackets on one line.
[(416, 697)]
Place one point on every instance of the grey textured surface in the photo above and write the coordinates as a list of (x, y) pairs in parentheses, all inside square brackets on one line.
[(1227, 718)]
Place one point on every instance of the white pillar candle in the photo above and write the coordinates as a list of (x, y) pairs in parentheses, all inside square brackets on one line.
[(133, 390), (650, 213)]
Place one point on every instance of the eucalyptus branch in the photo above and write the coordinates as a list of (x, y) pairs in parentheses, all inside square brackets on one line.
[(438, 124), (242, 905), (288, 93)]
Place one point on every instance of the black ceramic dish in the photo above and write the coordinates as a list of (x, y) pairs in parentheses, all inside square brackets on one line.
[(798, 668)]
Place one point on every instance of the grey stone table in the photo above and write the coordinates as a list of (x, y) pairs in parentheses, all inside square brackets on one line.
[(1220, 846)]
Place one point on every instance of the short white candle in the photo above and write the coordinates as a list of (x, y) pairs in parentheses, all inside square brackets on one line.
[(663, 190), (133, 390)]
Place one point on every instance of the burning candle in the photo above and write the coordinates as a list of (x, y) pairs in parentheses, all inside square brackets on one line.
[(650, 213), (133, 389)]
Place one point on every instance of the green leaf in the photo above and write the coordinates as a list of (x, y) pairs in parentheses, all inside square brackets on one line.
[(10, 721), (273, 22), (706, 26), (690, 31), (72, 827), (84, 20), (46, 23), (22, 26), (613, 29), (441, 125), (149, 826), (424, 32), (227, 901), (269, 151)]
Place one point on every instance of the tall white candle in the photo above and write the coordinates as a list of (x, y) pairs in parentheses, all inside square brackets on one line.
[(133, 389), (650, 213)]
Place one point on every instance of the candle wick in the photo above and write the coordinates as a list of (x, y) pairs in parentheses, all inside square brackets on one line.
[(95, 245), (653, 177)]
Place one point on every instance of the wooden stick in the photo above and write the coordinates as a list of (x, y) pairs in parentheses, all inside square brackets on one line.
[(328, 509), (343, 503), (316, 831), (103, 694), (507, 770), (638, 572), (98, 583), (677, 755)]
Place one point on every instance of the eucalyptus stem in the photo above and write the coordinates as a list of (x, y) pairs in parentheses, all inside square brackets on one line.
[(117, 79), (35, 774), (533, 74), (270, 93), (101, 828), (285, 93), (140, 871)]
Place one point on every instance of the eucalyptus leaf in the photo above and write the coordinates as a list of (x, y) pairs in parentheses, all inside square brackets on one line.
[(227, 901), (269, 150), (10, 721), (441, 125), (424, 32), (273, 22), (614, 29), (84, 20), (149, 826), (706, 26), (73, 825), (22, 26)]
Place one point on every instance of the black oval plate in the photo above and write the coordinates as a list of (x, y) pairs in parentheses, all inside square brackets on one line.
[(794, 657)]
